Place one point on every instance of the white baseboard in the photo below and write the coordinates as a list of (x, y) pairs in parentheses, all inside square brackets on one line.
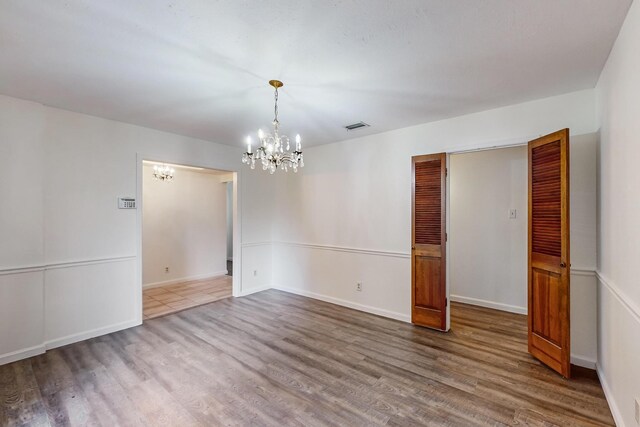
[(345, 303), (184, 279), (59, 342), (81, 336), (22, 354), (608, 394), (583, 361), (254, 290), (489, 304)]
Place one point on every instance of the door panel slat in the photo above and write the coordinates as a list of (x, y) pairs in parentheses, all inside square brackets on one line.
[(549, 333), (546, 196), (428, 202), (428, 278)]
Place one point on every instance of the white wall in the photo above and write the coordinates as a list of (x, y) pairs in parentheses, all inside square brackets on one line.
[(618, 101), (346, 217), (229, 221), (487, 250), (68, 256), (583, 200), (184, 227)]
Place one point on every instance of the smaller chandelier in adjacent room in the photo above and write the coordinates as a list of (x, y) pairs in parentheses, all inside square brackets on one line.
[(163, 173), (274, 150)]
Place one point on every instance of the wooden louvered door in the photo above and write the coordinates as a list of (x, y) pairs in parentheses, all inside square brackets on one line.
[(549, 267), (428, 279)]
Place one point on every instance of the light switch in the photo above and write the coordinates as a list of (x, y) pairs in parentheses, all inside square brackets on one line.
[(513, 214)]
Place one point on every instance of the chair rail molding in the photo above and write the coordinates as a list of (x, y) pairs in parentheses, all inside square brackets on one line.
[(335, 248), (620, 295), (63, 264)]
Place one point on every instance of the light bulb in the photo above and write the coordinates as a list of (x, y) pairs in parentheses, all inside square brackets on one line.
[(298, 139), (248, 144), (260, 134)]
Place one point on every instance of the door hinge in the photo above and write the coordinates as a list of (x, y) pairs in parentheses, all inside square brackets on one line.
[(446, 171), (446, 302), (446, 237)]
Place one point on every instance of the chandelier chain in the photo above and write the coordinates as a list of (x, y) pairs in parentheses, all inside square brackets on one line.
[(275, 108)]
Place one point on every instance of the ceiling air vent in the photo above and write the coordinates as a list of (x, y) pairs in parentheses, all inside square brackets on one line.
[(356, 126)]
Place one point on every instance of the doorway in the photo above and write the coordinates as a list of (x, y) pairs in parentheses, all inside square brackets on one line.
[(503, 262), (488, 228), (229, 198), (185, 231), (488, 262)]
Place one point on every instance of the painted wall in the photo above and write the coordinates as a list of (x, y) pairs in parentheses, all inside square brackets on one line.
[(68, 257), (618, 101), (487, 250), (347, 217), (184, 227), (229, 220)]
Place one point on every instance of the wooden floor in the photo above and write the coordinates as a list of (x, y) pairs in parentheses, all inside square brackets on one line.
[(276, 359), (162, 300)]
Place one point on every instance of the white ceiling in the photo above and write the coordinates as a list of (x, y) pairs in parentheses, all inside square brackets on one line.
[(200, 67)]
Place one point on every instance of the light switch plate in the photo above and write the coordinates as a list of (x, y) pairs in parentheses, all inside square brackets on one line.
[(513, 213)]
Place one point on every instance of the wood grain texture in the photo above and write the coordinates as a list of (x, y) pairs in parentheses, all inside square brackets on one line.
[(546, 200), (427, 202), (549, 255), (428, 241), (277, 359)]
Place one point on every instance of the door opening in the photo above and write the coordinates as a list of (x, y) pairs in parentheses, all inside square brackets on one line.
[(229, 198), (185, 232), (508, 241)]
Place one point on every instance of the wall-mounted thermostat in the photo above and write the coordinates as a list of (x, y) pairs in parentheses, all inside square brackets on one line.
[(126, 203)]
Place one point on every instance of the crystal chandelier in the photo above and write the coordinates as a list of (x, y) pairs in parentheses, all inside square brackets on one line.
[(163, 173), (274, 150)]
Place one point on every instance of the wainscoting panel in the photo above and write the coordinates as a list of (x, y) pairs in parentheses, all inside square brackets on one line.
[(331, 274), (86, 300), (618, 350), (257, 267), (21, 315)]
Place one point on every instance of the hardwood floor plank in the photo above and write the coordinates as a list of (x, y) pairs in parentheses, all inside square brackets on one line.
[(162, 300), (276, 359)]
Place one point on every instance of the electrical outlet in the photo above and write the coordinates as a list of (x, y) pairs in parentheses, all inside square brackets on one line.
[(166, 269), (359, 286), (513, 213), (255, 272), (638, 411)]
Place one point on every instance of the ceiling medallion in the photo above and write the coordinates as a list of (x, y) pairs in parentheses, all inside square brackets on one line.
[(274, 149)]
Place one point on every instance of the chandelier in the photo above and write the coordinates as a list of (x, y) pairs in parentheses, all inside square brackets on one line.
[(274, 149), (163, 173)]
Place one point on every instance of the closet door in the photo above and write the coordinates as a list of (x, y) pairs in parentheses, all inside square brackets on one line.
[(549, 263), (428, 278)]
